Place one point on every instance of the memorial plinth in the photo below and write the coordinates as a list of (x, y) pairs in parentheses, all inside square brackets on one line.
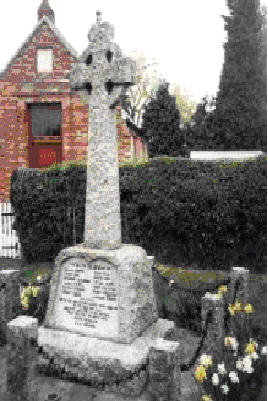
[(102, 319), (100, 293)]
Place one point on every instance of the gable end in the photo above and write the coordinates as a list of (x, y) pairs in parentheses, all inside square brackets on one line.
[(29, 40)]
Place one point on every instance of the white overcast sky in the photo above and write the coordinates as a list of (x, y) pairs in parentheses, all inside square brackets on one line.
[(185, 36)]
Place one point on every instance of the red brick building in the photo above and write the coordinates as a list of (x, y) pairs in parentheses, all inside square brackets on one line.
[(41, 121)]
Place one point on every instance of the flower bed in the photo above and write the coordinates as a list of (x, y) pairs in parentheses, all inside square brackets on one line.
[(236, 371), (179, 293)]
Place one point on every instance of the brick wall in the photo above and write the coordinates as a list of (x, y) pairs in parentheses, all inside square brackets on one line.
[(22, 84)]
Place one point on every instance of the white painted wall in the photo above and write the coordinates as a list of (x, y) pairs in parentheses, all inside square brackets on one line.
[(217, 155)]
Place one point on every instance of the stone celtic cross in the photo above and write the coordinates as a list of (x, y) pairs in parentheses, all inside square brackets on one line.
[(99, 77)]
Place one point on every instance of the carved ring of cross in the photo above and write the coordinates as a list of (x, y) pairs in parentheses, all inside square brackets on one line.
[(101, 73)]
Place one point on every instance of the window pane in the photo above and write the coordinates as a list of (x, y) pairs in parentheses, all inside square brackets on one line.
[(46, 119)]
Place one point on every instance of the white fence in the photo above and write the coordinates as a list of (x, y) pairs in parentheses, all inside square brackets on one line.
[(9, 242)]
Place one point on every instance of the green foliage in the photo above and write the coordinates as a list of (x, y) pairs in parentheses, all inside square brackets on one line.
[(238, 119), (44, 205), (242, 97), (198, 131), (195, 213), (210, 213), (161, 123), (202, 131)]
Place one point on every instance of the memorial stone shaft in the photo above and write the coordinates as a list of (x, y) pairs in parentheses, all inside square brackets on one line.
[(100, 76)]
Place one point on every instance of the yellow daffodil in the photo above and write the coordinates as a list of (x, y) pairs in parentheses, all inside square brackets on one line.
[(227, 340), (206, 398), (25, 304), (251, 347), (232, 342), (35, 291), (248, 308), (200, 373), (238, 306), (254, 342), (222, 289), (231, 309), (26, 293), (25, 301), (27, 290)]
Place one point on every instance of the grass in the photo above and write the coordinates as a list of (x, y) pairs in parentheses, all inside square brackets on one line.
[(83, 162), (257, 295)]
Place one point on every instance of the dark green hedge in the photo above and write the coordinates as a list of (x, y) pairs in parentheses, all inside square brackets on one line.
[(210, 213)]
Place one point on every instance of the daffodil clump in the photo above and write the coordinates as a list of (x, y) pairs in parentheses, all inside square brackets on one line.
[(234, 375), (226, 384), (27, 292)]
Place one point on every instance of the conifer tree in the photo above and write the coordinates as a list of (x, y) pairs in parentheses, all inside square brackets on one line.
[(161, 124), (241, 105)]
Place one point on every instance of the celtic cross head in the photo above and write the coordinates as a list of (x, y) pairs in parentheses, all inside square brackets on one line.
[(102, 71)]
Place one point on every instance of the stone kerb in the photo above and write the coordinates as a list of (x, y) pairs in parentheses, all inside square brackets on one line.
[(22, 359), (215, 329), (241, 274), (163, 377), (9, 299), (164, 371), (216, 332)]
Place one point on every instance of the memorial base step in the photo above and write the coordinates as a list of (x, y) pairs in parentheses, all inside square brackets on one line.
[(110, 366)]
